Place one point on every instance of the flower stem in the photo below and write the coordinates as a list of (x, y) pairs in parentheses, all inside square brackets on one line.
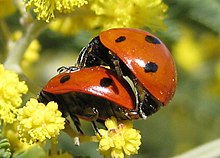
[(4, 33), (85, 138), (53, 148), (78, 137), (17, 51), (210, 149)]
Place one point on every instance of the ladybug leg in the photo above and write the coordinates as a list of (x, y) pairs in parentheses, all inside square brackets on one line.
[(83, 55), (141, 112), (150, 105), (67, 69), (68, 129), (96, 128), (117, 67), (76, 123), (93, 114), (140, 98), (147, 105)]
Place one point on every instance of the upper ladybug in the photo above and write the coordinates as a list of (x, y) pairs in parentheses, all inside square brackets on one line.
[(139, 55), (93, 94)]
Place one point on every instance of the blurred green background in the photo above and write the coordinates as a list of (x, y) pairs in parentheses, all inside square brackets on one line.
[(193, 116)]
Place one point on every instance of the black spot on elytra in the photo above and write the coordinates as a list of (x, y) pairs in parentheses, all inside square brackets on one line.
[(105, 82), (64, 78), (152, 39), (150, 67), (120, 39)]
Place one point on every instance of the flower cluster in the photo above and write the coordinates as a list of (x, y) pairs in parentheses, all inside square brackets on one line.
[(45, 8), (100, 14), (11, 90), (135, 13), (110, 14), (119, 140), (38, 122)]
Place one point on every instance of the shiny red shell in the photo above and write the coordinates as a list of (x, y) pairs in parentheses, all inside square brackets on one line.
[(89, 81), (136, 48)]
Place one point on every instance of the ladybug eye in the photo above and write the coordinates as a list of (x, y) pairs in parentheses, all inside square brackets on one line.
[(120, 39), (150, 67), (152, 39), (105, 82), (64, 78)]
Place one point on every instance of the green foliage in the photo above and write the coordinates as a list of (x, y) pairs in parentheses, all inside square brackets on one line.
[(197, 13), (33, 152), (4, 148)]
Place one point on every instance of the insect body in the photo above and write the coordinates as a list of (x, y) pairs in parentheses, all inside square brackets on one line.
[(139, 55), (92, 94)]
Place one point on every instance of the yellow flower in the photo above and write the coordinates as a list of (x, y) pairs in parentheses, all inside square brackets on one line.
[(193, 50), (187, 51), (16, 35), (38, 122), (11, 90), (119, 141), (45, 9), (110, 14), (7, 7), (135, 13)]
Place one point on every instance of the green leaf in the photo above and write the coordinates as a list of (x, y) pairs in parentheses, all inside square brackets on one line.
[(33, 152)]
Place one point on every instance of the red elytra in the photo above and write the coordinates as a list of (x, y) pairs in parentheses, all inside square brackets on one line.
[(136, 48), (96, 81)]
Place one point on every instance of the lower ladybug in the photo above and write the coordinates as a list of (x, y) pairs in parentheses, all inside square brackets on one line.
[(139, 55), (92, 94)]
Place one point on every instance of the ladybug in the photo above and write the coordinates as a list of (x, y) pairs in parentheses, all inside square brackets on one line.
[(140, 56), (92, 94)]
